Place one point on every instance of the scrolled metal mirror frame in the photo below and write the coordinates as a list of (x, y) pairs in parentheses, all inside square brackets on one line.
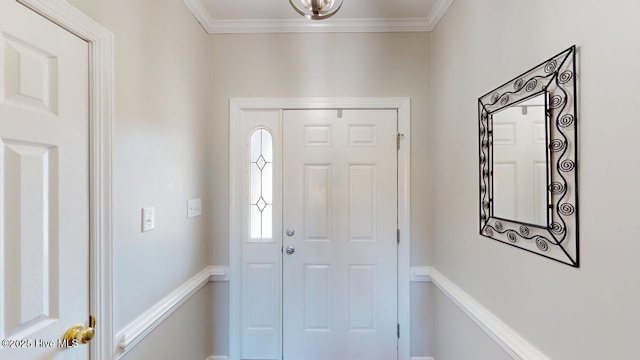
[(558, 240)]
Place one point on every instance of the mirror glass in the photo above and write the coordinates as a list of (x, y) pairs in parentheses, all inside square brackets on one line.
[(520, 167)]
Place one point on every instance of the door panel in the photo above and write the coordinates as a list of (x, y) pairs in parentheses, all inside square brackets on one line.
[(260, 285), (30, 220), (362, 298), (317, 202), (340, 196), (317, 297), (362, 202), (44, 184)]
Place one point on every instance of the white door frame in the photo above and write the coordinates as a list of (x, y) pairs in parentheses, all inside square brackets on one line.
[(236, 143), (100, 42)]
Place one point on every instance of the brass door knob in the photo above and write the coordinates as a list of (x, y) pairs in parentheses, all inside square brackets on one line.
[(87, 335), (81, 334)]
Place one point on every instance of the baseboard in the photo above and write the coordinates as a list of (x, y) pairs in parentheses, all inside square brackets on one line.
[(139, 328), (509, 340)]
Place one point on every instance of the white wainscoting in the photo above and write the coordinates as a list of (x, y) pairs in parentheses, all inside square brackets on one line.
[(509, 340), (139, 328)]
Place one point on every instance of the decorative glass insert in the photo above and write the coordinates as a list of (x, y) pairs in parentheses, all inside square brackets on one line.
[(261, 182)]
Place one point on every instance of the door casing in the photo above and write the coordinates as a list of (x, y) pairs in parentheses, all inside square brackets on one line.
[(100, 42), (236, 143)]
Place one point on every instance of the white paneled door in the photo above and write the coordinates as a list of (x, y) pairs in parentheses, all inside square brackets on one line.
[(44, 186), (340, 242)]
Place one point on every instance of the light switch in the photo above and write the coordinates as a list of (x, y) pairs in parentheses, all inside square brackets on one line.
[(148, 220), (194, 208)]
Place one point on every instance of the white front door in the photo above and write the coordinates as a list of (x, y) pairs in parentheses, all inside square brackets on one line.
[(340, 202), (44, 186)]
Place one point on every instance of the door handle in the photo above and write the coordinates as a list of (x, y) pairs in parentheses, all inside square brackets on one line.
[(81, 334), (290, 249)]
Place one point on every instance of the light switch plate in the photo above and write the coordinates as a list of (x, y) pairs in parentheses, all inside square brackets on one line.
[(194, 208), (148, 219)]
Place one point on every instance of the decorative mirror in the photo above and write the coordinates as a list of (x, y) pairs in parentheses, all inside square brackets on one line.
[(528, 161)]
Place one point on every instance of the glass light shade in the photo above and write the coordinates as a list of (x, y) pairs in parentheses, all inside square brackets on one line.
[(316, 9)]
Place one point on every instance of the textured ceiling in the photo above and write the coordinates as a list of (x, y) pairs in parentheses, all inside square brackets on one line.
[(351, 9)]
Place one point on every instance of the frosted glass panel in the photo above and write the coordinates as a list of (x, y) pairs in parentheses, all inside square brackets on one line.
[(256, 222), (256, 145), (267, 146), (267, 183), (267, 220), (256, 183), (261, 183)]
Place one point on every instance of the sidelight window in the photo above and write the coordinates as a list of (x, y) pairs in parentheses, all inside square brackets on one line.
[(261, 182)]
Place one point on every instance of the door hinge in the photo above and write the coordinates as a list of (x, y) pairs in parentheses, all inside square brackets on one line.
[(398, 238), (398, 140), (398, 331)]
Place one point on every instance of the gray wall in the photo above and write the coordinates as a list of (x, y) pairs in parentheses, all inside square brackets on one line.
[(185, 334), (422, 318), (159, 158), (586, 313), (458, 338), (320, 65)]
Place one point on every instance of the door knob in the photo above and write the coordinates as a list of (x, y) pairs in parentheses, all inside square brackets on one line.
[(290, 249), (81, 334)]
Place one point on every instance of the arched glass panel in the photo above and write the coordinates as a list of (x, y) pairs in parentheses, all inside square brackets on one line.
[(261, 182)]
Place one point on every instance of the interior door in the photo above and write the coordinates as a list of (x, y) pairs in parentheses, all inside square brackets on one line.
[(44, 186), (340, 243)]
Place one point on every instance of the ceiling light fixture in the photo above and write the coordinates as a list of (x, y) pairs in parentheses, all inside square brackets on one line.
[(316, 9)]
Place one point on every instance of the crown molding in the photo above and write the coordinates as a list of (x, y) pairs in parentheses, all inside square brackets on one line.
[(326, 26), (439, 9), (201, 14)]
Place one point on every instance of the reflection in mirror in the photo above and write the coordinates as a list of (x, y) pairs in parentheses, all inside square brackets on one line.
[(520, 162)]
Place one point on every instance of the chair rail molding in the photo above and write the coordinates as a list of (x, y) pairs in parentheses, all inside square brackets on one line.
[(213, 26), (139, 328), (509, 340), (101, 71)]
